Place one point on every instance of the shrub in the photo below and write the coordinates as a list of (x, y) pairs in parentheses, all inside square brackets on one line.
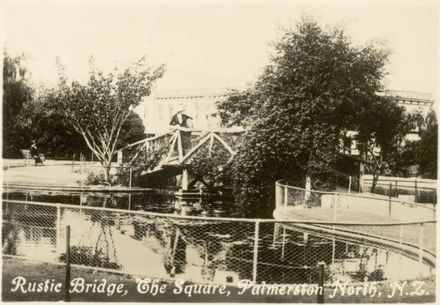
[(95, 179)]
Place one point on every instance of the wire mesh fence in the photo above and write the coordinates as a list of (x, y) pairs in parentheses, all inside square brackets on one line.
[(333, 206), (217, 250), (419, 190)]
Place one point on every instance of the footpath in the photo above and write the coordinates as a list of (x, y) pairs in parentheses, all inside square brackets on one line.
[(54, 175)]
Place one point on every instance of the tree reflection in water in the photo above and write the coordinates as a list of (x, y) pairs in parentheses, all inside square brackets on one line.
[(27, 225), (96, 247)]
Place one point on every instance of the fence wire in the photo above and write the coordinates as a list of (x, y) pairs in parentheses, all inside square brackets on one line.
[(333, 206), (216, 250)]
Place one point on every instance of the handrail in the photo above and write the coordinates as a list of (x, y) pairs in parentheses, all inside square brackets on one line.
[(206, 218), (278, 183)]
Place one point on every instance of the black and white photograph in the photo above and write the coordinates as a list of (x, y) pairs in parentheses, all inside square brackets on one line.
[(219, 151)]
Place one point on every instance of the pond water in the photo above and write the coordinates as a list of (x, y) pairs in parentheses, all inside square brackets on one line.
[(198, 250), (159, 202)]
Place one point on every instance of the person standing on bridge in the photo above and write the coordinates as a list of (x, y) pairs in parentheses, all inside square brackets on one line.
[(182, 120)]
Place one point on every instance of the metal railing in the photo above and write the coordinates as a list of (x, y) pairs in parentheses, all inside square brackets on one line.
[(334, 206), (217, 250), (420, 190)]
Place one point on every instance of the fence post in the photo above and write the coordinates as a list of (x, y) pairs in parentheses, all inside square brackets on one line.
[(285, 195), (131, 173), (335, 203), (349, 184), (308, 188), (58, 224), (67, 279), (283, 244), (276, 229), (73, 163), (415, 187), (421, 242), (400, 245), (396, 192), (255, 261), (278, 195), (321, 279), (389, 204)]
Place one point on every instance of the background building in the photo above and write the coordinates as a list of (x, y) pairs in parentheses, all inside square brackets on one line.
[(414, 102), (157, 110)]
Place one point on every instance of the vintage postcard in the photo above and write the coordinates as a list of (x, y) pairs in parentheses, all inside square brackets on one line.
[(219, 151)]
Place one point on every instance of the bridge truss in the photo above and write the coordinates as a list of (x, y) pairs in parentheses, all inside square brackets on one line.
[(182, 144)]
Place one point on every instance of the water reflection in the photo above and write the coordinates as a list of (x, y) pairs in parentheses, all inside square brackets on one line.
[(160, 202), (201, 251)]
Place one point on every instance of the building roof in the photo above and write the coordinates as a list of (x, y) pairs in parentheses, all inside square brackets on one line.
[(193, 94)]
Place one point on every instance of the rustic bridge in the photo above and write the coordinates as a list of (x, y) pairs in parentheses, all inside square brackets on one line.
[(180, 145)]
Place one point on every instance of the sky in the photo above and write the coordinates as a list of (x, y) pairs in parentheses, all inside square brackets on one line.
[(212, 44)]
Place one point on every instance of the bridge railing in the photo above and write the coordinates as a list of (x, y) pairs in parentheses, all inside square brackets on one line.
[(216, 250)]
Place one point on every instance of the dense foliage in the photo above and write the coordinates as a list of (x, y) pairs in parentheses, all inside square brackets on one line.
[(427, 150), (382, 126), (16, 95), (417, 157), (137, 160), (212, 166), (317, 87)]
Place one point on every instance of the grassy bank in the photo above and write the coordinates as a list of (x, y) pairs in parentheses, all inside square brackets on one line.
[(37, 272)]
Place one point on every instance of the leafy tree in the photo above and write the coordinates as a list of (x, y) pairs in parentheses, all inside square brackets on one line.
[(315, 89), (55, 136), (382, 126), (237, 109), (98, 109), (427, 147), (132, 130), (16, 94), (211, 165)]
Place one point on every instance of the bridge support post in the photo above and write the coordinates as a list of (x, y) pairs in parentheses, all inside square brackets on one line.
[(185, 179)]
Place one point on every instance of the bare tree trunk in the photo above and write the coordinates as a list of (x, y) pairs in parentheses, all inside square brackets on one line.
[(376, 174), (107, 166)]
